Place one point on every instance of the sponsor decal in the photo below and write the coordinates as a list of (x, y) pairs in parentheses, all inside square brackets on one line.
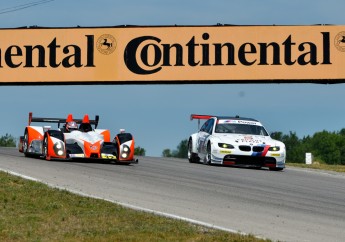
[(274, 154), (108, 156), (106, 44), (249, 139), (339, 41), (239, 122), (225, 152), (77, 155)]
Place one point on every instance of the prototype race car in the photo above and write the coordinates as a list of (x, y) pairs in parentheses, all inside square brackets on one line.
[(235, 141), (72, 142)]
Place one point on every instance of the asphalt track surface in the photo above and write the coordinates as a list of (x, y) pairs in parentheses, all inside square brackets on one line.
[(293, 205)]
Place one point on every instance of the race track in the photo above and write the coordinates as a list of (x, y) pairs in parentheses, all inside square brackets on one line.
[(293, 205)]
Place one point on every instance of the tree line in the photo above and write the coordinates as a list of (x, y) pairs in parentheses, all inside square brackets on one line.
[(326, 147), (7, 141)]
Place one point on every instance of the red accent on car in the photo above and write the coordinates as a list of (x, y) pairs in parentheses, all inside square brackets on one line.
[(86, 119), (69, 118), (265, 150), (200, 116), (30, 118)]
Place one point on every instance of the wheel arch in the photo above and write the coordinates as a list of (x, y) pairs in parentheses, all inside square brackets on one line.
[(194, 143)]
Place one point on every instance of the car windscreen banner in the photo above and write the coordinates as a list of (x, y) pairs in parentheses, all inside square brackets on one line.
[(175, 54)]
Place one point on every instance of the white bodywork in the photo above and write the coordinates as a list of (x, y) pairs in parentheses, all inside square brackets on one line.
[(80, 137), (218, 142), (92, 139)]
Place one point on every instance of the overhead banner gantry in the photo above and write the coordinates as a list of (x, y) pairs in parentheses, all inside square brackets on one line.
[(172, 54)]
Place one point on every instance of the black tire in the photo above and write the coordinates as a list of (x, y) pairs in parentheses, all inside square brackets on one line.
[(192, 157), (207, 160), (45, 147), (26, 144)]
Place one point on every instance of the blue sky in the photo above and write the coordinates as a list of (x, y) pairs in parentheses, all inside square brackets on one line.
[(158, 115)]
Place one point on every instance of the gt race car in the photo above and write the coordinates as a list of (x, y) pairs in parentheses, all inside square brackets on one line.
[(235, 141), (75, 142)]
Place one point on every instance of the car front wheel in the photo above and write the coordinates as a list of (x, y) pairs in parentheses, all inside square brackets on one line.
[(26, 144), (45, 148)]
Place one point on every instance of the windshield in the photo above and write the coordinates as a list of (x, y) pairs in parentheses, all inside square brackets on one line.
[(235, 128)]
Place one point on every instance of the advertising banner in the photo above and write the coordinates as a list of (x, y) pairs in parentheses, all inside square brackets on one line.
[(173, 54)]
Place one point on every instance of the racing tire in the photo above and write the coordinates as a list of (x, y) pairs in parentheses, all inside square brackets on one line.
[(26, 144), (207, 160), (45, 148), (192, 157)]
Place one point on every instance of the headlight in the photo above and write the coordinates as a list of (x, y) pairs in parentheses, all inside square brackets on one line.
[(274, 148), (125, 151), (59, 148), (225, 146)]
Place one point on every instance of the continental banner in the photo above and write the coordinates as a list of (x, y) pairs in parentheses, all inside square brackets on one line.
[(173, 54)]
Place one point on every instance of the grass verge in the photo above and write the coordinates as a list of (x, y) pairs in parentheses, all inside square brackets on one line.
[(319, 166), (32, 211)]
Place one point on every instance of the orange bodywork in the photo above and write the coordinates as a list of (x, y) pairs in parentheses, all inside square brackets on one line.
[(106, 134), (92, 149), (51, 152), (33, 134), (130, 156)]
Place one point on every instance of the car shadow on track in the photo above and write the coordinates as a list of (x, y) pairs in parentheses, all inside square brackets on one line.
[(85, 160), (239, 167)]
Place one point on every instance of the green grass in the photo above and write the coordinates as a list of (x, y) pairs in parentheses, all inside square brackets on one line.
[(31, 211), (318, 166)]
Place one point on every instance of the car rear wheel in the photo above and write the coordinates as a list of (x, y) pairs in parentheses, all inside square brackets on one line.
[(207, 160), (192, 157)]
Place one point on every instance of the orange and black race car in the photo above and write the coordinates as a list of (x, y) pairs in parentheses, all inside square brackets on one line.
[(75, 139)]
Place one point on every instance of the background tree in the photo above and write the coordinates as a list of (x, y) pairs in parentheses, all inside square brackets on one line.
[(139, 151), (7, 141), (182, 149), (180, 152), (326, 147), (166, 153)]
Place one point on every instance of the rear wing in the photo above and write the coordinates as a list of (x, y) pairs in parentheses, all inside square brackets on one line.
[(60, 120), (200, 116)]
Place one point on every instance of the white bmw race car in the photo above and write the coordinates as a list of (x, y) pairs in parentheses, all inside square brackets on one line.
[(235, 141)]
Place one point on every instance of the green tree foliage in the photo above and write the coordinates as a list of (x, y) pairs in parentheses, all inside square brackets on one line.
[(182, 149), (166, 153), (180, 152), (7, 141), (326, 147), (139, 151)]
